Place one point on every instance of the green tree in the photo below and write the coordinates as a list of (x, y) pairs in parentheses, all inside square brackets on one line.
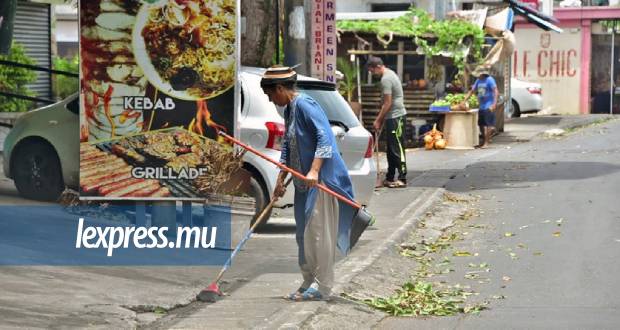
[(65, 85), (14, 80)]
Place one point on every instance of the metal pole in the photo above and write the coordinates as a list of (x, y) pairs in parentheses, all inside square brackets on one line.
[(359, 85), (295, 42), (611, 79), (277, 31), (440, 9)]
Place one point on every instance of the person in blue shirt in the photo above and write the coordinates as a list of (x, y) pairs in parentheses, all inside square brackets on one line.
[(486, 90), (323, 224)]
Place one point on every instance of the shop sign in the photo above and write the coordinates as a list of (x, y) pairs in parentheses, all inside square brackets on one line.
[(158, 82), (553, 60), (323, 40)]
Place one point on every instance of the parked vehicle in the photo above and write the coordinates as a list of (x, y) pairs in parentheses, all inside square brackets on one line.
[(262, 127), (41, 152), (526, 98)]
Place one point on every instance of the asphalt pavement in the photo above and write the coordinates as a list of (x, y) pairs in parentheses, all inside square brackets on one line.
[(553, 241)]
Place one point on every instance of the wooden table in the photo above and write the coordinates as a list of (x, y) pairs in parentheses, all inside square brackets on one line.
[(461, 129)]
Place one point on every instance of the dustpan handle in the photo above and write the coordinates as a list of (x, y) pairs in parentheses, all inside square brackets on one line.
[(289, 170)]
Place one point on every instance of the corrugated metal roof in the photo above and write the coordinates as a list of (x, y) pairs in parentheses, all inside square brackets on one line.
[(369, 16), (32, 30)]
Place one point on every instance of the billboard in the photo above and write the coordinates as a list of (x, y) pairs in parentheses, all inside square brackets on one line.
[(158, 82), (553, 60)]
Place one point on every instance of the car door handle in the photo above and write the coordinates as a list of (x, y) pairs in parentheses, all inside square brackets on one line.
[(340, 135)]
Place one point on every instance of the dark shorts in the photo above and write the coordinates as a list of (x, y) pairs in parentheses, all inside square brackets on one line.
[(486, 118)]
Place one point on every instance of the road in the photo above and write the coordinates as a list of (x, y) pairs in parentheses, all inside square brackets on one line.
[(520, 184), (553, 242)]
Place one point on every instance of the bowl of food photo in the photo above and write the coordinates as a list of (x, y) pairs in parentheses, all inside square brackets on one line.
[(186, 48)]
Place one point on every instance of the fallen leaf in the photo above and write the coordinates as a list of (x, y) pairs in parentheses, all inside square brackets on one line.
[(160, 310), (521, 245), (462, 254), (538, 254), (557, 234), (509, 234), (547, 221), (513, 255), (523, 227), (472, 276), (499, 297), (506, 278), (559, 222)]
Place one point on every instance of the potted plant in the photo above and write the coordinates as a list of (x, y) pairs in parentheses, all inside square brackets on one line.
[(348, 84)]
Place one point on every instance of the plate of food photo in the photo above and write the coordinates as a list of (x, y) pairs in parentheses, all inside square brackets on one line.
[(186, 48)]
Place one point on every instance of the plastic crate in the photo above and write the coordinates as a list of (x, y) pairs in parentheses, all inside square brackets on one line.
[(434, 108)]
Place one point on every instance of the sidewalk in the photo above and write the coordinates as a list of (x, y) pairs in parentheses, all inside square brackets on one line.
[(259, 303)]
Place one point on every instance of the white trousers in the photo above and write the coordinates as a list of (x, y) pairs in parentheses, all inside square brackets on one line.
[(320, 239)]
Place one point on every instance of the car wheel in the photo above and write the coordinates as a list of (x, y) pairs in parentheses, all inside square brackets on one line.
[(37, 172), (261, 199), (515, 111)]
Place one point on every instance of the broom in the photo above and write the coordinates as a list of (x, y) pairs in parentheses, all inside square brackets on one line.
[(211, 293)]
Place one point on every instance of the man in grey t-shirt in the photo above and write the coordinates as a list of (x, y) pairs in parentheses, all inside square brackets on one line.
[(392, 115)]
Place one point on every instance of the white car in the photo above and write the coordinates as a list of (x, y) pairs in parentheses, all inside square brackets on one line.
[(32, 147), (526, 98), (263, 128)]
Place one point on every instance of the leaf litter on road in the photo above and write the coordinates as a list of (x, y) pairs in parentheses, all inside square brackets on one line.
[(422, 299)]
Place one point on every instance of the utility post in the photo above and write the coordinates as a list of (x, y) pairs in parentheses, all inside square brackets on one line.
[(295, 35), (7, 16), (440, 9), (440, 14)]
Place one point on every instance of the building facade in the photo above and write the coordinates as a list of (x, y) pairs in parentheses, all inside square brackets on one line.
[(574, 67)]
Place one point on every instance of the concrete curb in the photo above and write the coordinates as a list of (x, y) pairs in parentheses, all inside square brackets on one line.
[(581, 122), (296, 315)]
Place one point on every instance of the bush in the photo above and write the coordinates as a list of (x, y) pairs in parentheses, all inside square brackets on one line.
[(14, 80), (65, 85)]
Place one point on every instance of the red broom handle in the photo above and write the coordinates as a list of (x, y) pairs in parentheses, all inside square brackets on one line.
[(289, 170)]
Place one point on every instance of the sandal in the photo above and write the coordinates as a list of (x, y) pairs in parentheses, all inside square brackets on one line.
[(297, 295), (389, 184), (399, 184), (311, 294)]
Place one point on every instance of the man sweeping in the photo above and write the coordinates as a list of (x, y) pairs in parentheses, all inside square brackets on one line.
[(323, 224), (392, 115)]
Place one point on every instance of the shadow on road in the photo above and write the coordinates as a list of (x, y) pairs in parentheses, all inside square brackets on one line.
[(507, 175)]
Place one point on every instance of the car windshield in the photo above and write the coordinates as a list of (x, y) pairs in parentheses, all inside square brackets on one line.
[(74, 105), (336, 108)]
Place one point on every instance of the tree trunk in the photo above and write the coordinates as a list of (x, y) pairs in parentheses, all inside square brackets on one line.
[(258, 41)]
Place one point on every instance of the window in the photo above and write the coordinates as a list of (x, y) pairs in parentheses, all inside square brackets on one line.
[(334, 105), (74, 105)]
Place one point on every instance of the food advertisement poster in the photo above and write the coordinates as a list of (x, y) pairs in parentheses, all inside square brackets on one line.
[(158, 83)]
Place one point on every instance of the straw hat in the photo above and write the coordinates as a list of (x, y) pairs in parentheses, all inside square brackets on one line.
[(482, 69), (278, 75)]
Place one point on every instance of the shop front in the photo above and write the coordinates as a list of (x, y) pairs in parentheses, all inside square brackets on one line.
[(573, 67)]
